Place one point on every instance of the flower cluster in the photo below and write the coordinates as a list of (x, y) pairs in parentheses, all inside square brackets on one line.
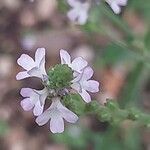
[(79, 9), (59, 81)]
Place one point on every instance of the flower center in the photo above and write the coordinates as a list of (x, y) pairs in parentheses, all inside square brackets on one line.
[(60, 77)]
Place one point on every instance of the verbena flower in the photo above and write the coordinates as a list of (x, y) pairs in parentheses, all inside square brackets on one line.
[(116, 5), (57, 83), (56, 113), (77, 65), (79, 11), (34, 99), (32, 68), (82, 84)]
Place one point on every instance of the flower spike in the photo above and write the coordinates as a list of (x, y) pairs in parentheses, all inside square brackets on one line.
[(58, 84)]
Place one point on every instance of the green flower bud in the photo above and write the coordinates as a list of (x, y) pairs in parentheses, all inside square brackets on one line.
[(60, 76), (75, 103), (112, 105)]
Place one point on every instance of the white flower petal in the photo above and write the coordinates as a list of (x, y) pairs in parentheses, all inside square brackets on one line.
[(38, 109), (65, 57), (82, 18), (35, 72), (67, 114), (26, 62), (91, 86), (43, 118), (22, 75), (76, 86), (122, 2), (57, 124), (78, 64), (85, 95), (87, 73), (73, 15), (42, 66), (116, 8), (26, 92), (42, 95), (27, 104), (39, 55)]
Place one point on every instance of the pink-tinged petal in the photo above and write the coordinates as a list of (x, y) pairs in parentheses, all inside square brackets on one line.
[(26, 92), (65, 57), (26, 62), (87, 73), (85, 95), (22, 75), (39, 55), (26, 104), (67, 114), (38, 109), (73, 3), (57, 124), (43, 118), (78, 64), (115, 8), (91, 86)]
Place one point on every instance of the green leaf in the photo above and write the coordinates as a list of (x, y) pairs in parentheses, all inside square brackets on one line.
[(130, 92), (114, 53)]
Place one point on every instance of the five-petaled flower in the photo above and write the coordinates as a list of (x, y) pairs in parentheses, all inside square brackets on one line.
[(56, 113), (34, 99), (76, 75), (116, 5), (32, 68), (82, 84), (79, 11), (77, 65)]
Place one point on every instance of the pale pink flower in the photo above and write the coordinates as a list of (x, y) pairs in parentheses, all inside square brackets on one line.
[(82, 84), (33, 99), (77, 65), (79, 11), (116, 5), (32, 68), (56, 113)]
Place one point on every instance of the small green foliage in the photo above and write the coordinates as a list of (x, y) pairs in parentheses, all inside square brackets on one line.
[(75, 103), (60, 76)]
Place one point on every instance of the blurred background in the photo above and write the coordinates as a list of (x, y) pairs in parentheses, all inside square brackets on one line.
[(116, 46)]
